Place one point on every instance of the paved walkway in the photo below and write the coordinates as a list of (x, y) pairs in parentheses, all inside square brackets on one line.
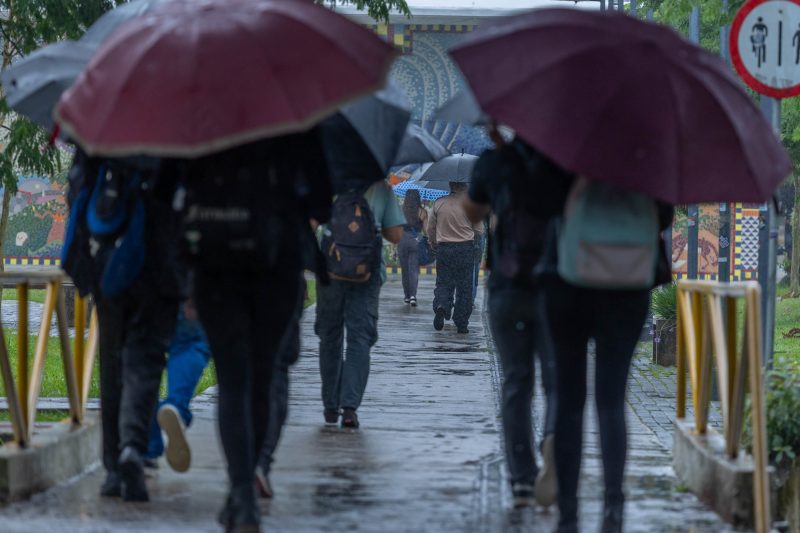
[(427, 457)]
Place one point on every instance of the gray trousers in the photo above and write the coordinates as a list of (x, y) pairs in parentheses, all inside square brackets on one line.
[(455, 264), (352, 306), (517, 321), (409, 262)]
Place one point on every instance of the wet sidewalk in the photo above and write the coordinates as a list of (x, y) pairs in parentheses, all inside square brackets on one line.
[(425, 459)]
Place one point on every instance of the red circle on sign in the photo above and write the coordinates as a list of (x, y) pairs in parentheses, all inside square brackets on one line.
[(736, 55)]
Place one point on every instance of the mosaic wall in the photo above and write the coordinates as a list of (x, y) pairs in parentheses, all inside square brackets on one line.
[(37, 221)]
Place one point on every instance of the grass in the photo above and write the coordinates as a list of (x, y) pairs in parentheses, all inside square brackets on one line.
[(311, 294), (34, 295), (787, 317)]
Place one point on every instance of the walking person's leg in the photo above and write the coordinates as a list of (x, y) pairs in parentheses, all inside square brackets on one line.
[(413, 271), (445, 285), (329, 327), (546, 482), (361, 321), (403, 251), (150, 326), (111, 332), (620, 317), (569, 329), (463, 271), (514, 333)]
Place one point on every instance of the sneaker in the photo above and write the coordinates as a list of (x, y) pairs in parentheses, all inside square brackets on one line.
[(438, 320), (177, 451), (546, 488), (448, 313), (413, 301), (463, 330), (150, 467), (522, 494), (131, 470), (407, 300), (331, 417), (263, 486), (112, 486), (349, 418)]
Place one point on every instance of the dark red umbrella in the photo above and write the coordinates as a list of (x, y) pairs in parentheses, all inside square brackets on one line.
[(625, 101), (193, 77)]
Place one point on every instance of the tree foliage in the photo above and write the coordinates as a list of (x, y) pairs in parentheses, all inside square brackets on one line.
[(377, 9)]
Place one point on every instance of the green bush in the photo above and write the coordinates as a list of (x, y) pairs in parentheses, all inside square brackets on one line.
[(783, 422), (663, 302)]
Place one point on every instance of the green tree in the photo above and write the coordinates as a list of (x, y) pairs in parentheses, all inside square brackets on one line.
[(24, 26), (377, 9)]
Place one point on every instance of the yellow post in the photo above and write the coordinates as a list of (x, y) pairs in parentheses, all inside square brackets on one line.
[(681, 356), (78, 347), (760, 477), (22, 347)]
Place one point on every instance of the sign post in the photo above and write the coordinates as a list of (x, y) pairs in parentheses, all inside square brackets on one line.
[(765, 51)]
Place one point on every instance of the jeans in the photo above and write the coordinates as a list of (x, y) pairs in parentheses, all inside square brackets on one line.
[(135, 332), (188, 357), (455, 265), (354, 307), (614, 319), (409, 262), (279, 389), (517, 322), (245, 315)]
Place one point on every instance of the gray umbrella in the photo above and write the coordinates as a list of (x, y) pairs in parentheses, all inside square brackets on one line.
[(419, 146), (380, 120), (463, 108), (34, 84), (452, 168)]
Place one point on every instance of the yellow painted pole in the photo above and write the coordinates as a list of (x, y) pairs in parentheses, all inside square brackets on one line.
[(78, 348), (681, 356), (760, 476), (22, 347)]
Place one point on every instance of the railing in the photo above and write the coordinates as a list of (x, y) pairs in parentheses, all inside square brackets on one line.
[(23, 392), (708, 331)]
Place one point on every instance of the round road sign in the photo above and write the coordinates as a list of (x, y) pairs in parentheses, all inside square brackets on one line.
[(765, 46)]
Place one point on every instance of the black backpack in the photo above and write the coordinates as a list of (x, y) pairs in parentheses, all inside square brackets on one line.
[(350, 242)]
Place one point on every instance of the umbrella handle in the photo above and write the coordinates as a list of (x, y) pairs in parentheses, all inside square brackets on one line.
[(494, 134)]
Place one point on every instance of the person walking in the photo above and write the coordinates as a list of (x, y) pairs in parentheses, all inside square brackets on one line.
[(350, 302), (189, 354), (452, 235), (480, 247), (247, 209), (416, 218), (602, 296), (523, 190)]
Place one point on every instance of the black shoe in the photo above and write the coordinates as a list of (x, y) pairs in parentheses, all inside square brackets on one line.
[(413, 301), (438, 320), (463, 330), (349, 418), (240, 514), (150, 464), (522, 494), (448, 313), (112, 486), (612, 518), (331, 417), (131, 470)]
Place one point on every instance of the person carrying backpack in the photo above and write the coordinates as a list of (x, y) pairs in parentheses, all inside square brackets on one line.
[(609, 256), (246, 217), (352, 246), (522, 190)]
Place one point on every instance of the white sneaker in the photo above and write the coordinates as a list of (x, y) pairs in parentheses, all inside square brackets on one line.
[(177, 451), (546, 488)]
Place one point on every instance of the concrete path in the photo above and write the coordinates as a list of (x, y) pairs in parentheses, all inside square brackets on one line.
[(427, 457)]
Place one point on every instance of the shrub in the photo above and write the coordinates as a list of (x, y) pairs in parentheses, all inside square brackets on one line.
[(783, 422), (663, 302)]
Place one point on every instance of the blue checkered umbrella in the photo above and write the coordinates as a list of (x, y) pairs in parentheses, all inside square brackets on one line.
[(427, 191)]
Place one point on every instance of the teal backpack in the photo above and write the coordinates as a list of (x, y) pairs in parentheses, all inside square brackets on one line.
[(608, 238)]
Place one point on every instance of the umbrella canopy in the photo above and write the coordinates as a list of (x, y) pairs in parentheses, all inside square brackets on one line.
[(35, 83), (456, 167), (463, 108), (427, 191), (190, 78), (362, 140), (419, 146), (625, 101)]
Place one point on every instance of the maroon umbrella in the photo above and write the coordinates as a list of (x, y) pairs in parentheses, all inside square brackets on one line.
[(193, 77), (625, 101)]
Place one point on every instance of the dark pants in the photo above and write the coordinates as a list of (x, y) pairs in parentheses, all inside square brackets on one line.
[(455, 265), (279, 388), (135, 332), (516, 317), (480, 244), (245, 316), (409, 263), (614, 319), (354, 307)]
